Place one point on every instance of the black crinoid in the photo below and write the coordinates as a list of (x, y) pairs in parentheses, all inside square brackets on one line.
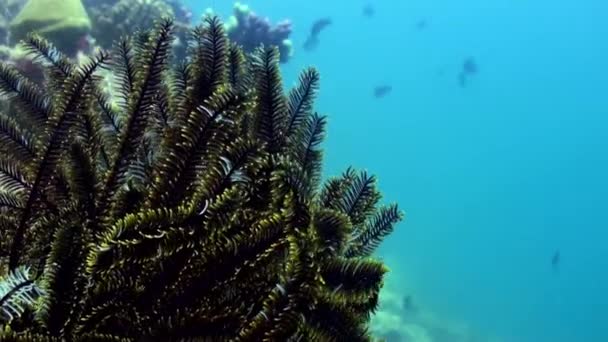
[(187, 206)]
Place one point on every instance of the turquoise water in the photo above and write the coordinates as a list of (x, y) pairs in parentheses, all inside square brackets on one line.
[(494, 177)]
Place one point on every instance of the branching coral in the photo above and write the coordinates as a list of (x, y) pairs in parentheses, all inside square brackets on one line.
[(250, 31), (191, 210), (113, 19)]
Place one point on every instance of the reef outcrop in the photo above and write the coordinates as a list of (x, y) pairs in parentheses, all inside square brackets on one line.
[(65, 23), (250, 30), (83, 25)]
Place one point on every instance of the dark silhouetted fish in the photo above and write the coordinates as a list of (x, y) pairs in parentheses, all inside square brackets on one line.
[(369, 11), (313, 38), (470, 66), (319, 25), (555, 260), (311, 43), (407, 302), (421, 24), (468, 69), (382, 91), (408, 305)]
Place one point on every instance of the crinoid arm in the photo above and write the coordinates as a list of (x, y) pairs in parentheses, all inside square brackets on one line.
[(183, 202)]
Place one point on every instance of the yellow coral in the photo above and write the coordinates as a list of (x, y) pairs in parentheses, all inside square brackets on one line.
[(61, 21)]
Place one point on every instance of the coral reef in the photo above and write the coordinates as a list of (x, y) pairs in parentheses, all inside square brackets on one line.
[(4, 30), (108, 20), (8, 10), (186, 205), (181, 13), (250, 31), (113, 19), (65, 23), (399, 318), (21, 59)]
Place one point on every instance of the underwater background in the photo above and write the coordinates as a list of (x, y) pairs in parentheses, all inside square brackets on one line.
[(495, 177), (486, 121)]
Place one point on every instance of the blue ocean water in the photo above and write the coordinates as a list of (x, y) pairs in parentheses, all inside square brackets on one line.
[(494, 177)]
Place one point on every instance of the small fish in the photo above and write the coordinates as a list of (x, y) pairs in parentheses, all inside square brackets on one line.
[(382, 90), (421, 24), (468, 69), (368, 11), (319, 25), (408, 305), (469, 66), (311, 43), (555, 261)]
